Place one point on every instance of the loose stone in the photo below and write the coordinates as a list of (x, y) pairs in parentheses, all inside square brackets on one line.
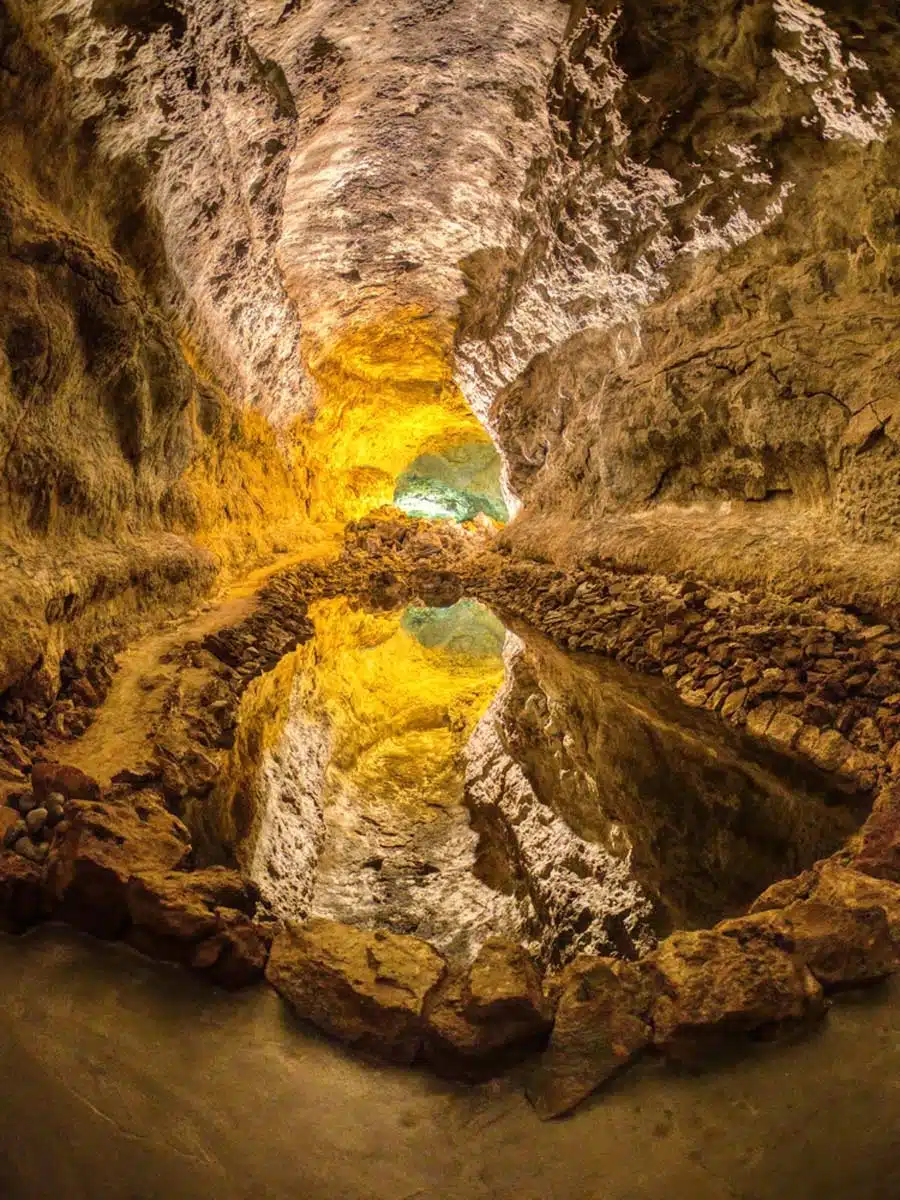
[(35, 820)]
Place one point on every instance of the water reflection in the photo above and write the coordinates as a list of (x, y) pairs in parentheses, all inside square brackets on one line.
[(465, 628), (579, 806), (390, 699), (625, 774)]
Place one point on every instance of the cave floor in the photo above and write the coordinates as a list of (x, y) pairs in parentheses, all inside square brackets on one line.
[(118, 735), (135, 1081)]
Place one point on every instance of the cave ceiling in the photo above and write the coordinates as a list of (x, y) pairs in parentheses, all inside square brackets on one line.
[(416, 223)]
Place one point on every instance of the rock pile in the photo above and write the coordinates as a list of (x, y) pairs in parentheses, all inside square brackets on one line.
[(29, 823), (388, 559), (117, 865), (51, 705)]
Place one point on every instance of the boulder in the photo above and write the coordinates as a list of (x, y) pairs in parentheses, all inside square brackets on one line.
[(47, 777), (103, 844), (602, 1023), (878, 848), (236, 955), (785, 892), (856, 890), (840, 945), (366, 988), (201, 919), (481, 1017), (715, 987), (837, 881)]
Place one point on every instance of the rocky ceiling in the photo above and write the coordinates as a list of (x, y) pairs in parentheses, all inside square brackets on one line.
[(653, 244)]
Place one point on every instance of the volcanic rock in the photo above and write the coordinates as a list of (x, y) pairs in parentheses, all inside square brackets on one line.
[(602, 1023), (107, 842), (200, 919), (70, 782), (840, 945), (21, 896), (714, 988), (365, 988), (878, 852), (481, 1016)]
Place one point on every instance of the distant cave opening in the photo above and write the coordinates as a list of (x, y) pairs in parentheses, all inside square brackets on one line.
[(457, 482)]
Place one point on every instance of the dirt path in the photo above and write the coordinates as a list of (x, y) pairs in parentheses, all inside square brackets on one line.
[(118, 736)]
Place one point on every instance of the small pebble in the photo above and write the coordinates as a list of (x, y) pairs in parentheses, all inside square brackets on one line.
[(55, 800), (36, 820), (27, 801), (55, 815)]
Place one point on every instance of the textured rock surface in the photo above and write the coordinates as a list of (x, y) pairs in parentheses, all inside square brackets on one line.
[(602, 1022), (841, 945), (122, 441), (655, 248), (654, 346), (715, 989), (106, 842), (366, 989), (484, 1016), (201, 919)]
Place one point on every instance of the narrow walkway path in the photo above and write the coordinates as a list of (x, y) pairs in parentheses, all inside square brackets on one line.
[(117, 736)]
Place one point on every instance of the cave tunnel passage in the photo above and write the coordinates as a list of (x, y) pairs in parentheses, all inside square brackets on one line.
[(457, 482)]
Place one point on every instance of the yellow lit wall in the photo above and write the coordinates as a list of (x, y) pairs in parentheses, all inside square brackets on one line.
[(385, 394), (245, 493), (397, 716)]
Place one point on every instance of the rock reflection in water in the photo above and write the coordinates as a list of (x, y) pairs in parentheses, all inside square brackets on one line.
[(384, 706), (578, 807), (616, 813)]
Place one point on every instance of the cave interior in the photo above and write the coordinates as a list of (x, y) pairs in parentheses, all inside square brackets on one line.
[(450, 515)]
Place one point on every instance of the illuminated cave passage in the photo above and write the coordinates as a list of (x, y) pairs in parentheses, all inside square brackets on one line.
[(573, 808), (458, 483), (449, 569), (383, 708)]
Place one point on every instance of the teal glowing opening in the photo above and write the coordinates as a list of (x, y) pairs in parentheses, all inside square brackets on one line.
[(459, 483), (466, 627)]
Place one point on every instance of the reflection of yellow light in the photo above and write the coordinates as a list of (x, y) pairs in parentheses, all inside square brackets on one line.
[(399, 714), (385, 396)]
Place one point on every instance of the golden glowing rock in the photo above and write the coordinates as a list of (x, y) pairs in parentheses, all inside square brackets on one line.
[(385, 396), (396, 715), (399, 713)]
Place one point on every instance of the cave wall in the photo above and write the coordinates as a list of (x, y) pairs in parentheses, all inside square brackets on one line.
[(701, 308), (178, 96), (130, 475), (261, 255), (655, 245)]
